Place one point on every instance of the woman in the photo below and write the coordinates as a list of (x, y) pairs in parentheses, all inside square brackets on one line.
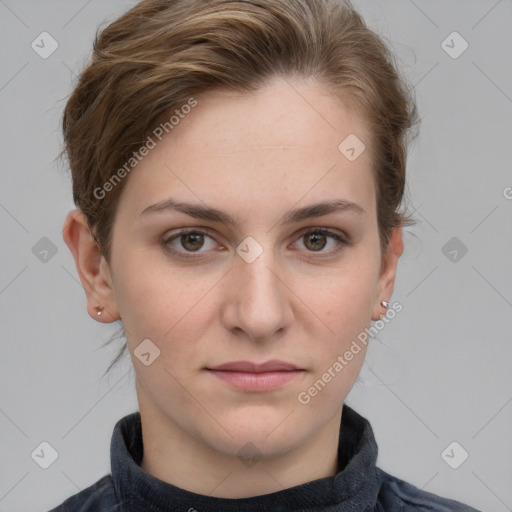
[(238, 169)]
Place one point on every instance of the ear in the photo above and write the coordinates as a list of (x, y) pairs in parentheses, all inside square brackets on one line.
[(92, 267), (387, 276)]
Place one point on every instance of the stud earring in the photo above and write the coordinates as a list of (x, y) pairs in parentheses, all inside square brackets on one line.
[(384, 303), (99, 310)]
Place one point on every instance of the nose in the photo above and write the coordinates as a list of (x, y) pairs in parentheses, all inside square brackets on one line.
[(257, 299)]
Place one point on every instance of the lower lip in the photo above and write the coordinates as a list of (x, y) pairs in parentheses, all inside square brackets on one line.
[(252, 381)]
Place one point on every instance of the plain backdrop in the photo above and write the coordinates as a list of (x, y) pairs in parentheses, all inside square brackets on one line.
[(439, 373)]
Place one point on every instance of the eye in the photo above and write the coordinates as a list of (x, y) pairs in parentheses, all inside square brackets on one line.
[(187, 241), (316, 239)]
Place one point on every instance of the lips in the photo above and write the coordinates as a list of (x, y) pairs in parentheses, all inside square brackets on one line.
[(257, 377), (247, 366)]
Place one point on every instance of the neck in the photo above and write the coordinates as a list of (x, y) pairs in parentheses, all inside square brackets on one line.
[(176, 457)]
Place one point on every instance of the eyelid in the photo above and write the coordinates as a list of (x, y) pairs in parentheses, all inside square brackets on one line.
[(327, 231)]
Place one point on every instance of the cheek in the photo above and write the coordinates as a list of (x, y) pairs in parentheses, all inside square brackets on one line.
[(346, 299), (167, 307), (340, 355), (346, 303)]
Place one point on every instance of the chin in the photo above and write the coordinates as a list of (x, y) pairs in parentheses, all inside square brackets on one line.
[(256, 436), (251, 447)]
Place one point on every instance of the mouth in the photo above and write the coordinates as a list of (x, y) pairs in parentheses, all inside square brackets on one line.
[(257, 377)]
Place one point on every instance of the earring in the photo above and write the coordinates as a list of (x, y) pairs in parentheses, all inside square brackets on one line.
[(99, 310), (384, 303)]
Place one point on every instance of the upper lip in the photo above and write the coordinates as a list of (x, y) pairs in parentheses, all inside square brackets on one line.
[(248, 366)]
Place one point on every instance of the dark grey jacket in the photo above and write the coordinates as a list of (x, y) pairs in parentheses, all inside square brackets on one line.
[(359, 486)]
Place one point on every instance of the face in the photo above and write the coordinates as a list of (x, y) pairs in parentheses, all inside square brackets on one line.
[(260, 288)]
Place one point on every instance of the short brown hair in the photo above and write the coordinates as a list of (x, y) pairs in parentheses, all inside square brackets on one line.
[(160, 53)]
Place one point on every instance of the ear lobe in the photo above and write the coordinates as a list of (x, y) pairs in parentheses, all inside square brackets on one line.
[(387, 276), (91, 267)]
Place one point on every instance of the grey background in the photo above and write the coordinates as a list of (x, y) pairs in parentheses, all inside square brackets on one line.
[(439, 372)]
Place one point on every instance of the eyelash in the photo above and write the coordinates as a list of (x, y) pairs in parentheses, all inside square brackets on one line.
[(309, 231)]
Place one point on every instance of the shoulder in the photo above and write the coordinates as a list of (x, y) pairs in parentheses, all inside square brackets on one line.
[(99, 497), (399, 496)]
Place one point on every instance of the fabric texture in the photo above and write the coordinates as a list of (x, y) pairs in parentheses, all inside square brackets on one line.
[(359, 485)]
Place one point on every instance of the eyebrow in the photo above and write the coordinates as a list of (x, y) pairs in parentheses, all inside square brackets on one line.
[(203, 212)]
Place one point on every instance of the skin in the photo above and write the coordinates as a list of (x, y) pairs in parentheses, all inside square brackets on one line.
[(255, 156)]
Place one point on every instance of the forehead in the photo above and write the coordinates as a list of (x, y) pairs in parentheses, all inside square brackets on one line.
[(274, 146)]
